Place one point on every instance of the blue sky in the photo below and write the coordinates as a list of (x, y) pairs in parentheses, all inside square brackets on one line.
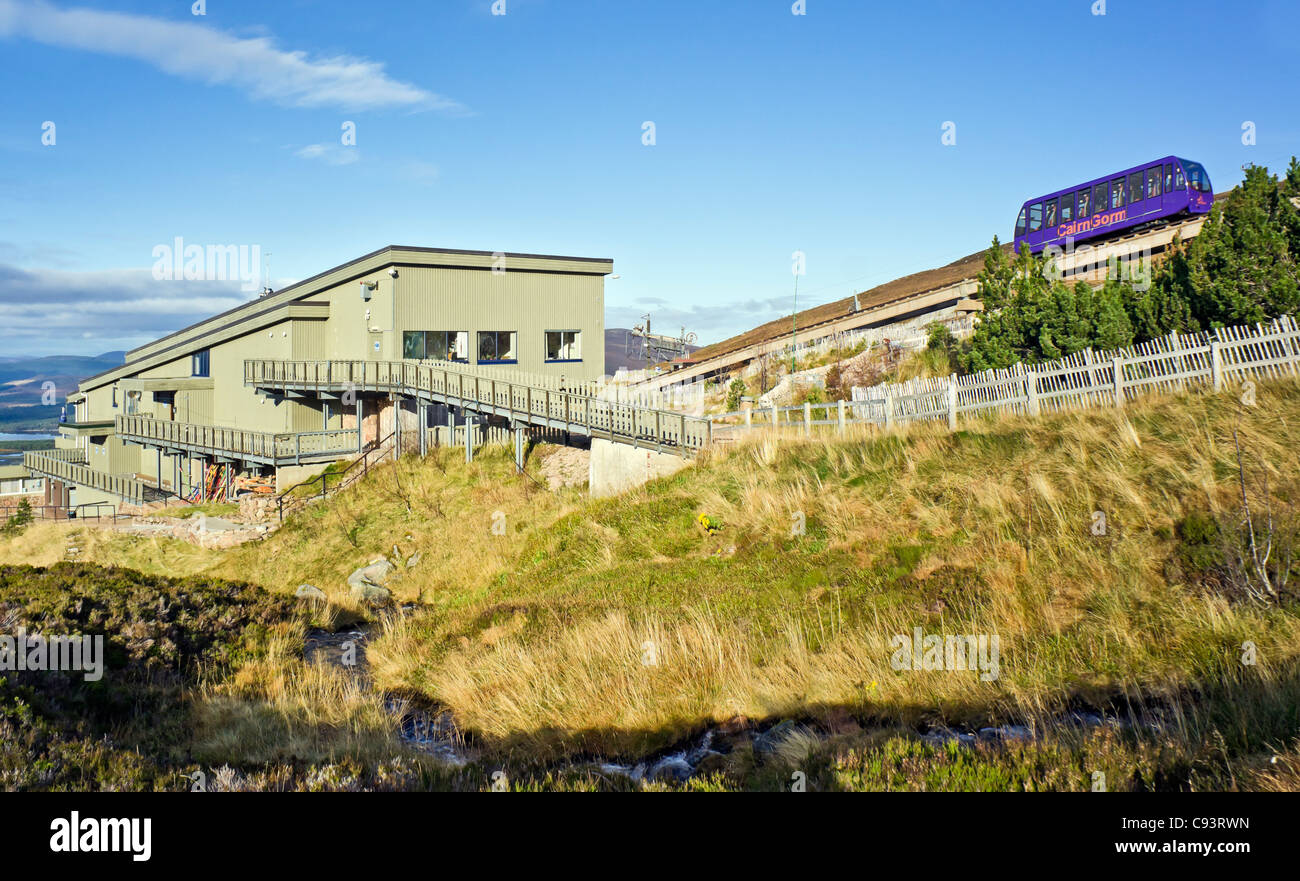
[(523, 132)]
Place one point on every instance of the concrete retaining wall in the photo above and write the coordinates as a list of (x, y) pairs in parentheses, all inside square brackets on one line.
[(616, 468)]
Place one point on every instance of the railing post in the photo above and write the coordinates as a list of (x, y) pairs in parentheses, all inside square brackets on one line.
[(807, 419), (1216, 366), (889, 410), (1031, 391), (841, 416), (1118, 367), (952, 402)]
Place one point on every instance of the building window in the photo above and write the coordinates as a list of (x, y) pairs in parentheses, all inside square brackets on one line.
[(436, 345), (114, 397), (496, 346), (564, 345), (199, 363)]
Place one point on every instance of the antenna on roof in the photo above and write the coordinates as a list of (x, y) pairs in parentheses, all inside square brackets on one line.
[(266, 275)]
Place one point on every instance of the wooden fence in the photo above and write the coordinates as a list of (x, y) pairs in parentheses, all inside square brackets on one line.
[(1211, 359)]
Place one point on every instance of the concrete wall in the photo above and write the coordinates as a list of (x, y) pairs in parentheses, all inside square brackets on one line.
[(616, 468)]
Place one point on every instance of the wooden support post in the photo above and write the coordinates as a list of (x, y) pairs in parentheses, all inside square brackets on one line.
[(807, 419), (519, 449), (952, 402), (1216, 365), (423, 419), (1117, 367), (361, 443), (841, 417), (469, 442), (889, 411), (1031, 391)]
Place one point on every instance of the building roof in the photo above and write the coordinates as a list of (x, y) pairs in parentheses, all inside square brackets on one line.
[(178, 343), (13, 472)]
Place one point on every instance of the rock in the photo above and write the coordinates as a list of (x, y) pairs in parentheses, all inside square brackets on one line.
[(309, 592), (412, 560), (671, 769), (375, 574), (767, 743), (371, 593)]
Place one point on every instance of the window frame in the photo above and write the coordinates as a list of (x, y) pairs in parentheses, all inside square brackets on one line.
[(514, 346), (1141, 186), (546, 346), (1022, 221), (1083, 197), (1101, 197), (1051, 213), (1118, 185), (1065, 213), (1031, 229), (201, 363), (1153, 182)]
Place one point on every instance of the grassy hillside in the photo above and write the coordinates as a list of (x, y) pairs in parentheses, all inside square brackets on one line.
[(620, 627)]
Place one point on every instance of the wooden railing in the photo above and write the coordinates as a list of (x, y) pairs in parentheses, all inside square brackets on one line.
[(70, 470), (269, 447), (574, 410), (328, 482), (1211, 359)]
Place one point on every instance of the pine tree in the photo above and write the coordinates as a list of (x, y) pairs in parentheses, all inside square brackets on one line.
[(1241, 268)]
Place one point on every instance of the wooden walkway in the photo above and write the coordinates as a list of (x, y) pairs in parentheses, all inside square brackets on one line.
[(521, 399)]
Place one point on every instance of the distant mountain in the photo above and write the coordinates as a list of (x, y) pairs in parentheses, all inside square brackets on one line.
[(22, 379), (622, 351)]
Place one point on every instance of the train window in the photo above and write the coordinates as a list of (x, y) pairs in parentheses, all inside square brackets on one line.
[(1020, 224), (1197, 178), (1067, 208), (1036, 217), (1085, 202), (1100, 198), (1179, 183), (1153, 182), (1135, 187), (1117, 193), (1169, 177), (1049, 213)]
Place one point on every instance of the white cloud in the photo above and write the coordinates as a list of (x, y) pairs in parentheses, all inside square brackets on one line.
[(200, 52), (332, 154)]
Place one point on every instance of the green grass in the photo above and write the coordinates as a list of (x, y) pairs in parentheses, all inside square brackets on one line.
[(534, 639)]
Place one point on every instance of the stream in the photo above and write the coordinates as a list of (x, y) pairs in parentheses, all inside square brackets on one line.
[(433, 731)]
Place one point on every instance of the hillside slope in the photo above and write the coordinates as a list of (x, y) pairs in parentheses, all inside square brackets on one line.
[(622, 627)]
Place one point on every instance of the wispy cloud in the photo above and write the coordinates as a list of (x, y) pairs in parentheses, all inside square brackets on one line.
[(331, 154), (197, 51)]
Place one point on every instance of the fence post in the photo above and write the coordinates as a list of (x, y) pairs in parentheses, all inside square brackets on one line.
[(841, 416), (952, 402), (1031, 391), (807, 419), (889, 410), (469, 442), (1216, 366), (774, 417), (1117, 366)]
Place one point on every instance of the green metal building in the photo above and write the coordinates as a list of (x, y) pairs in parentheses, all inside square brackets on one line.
[(180, 405)]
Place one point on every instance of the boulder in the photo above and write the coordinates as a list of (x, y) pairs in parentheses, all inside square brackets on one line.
[(375, 574), (309, 592)]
